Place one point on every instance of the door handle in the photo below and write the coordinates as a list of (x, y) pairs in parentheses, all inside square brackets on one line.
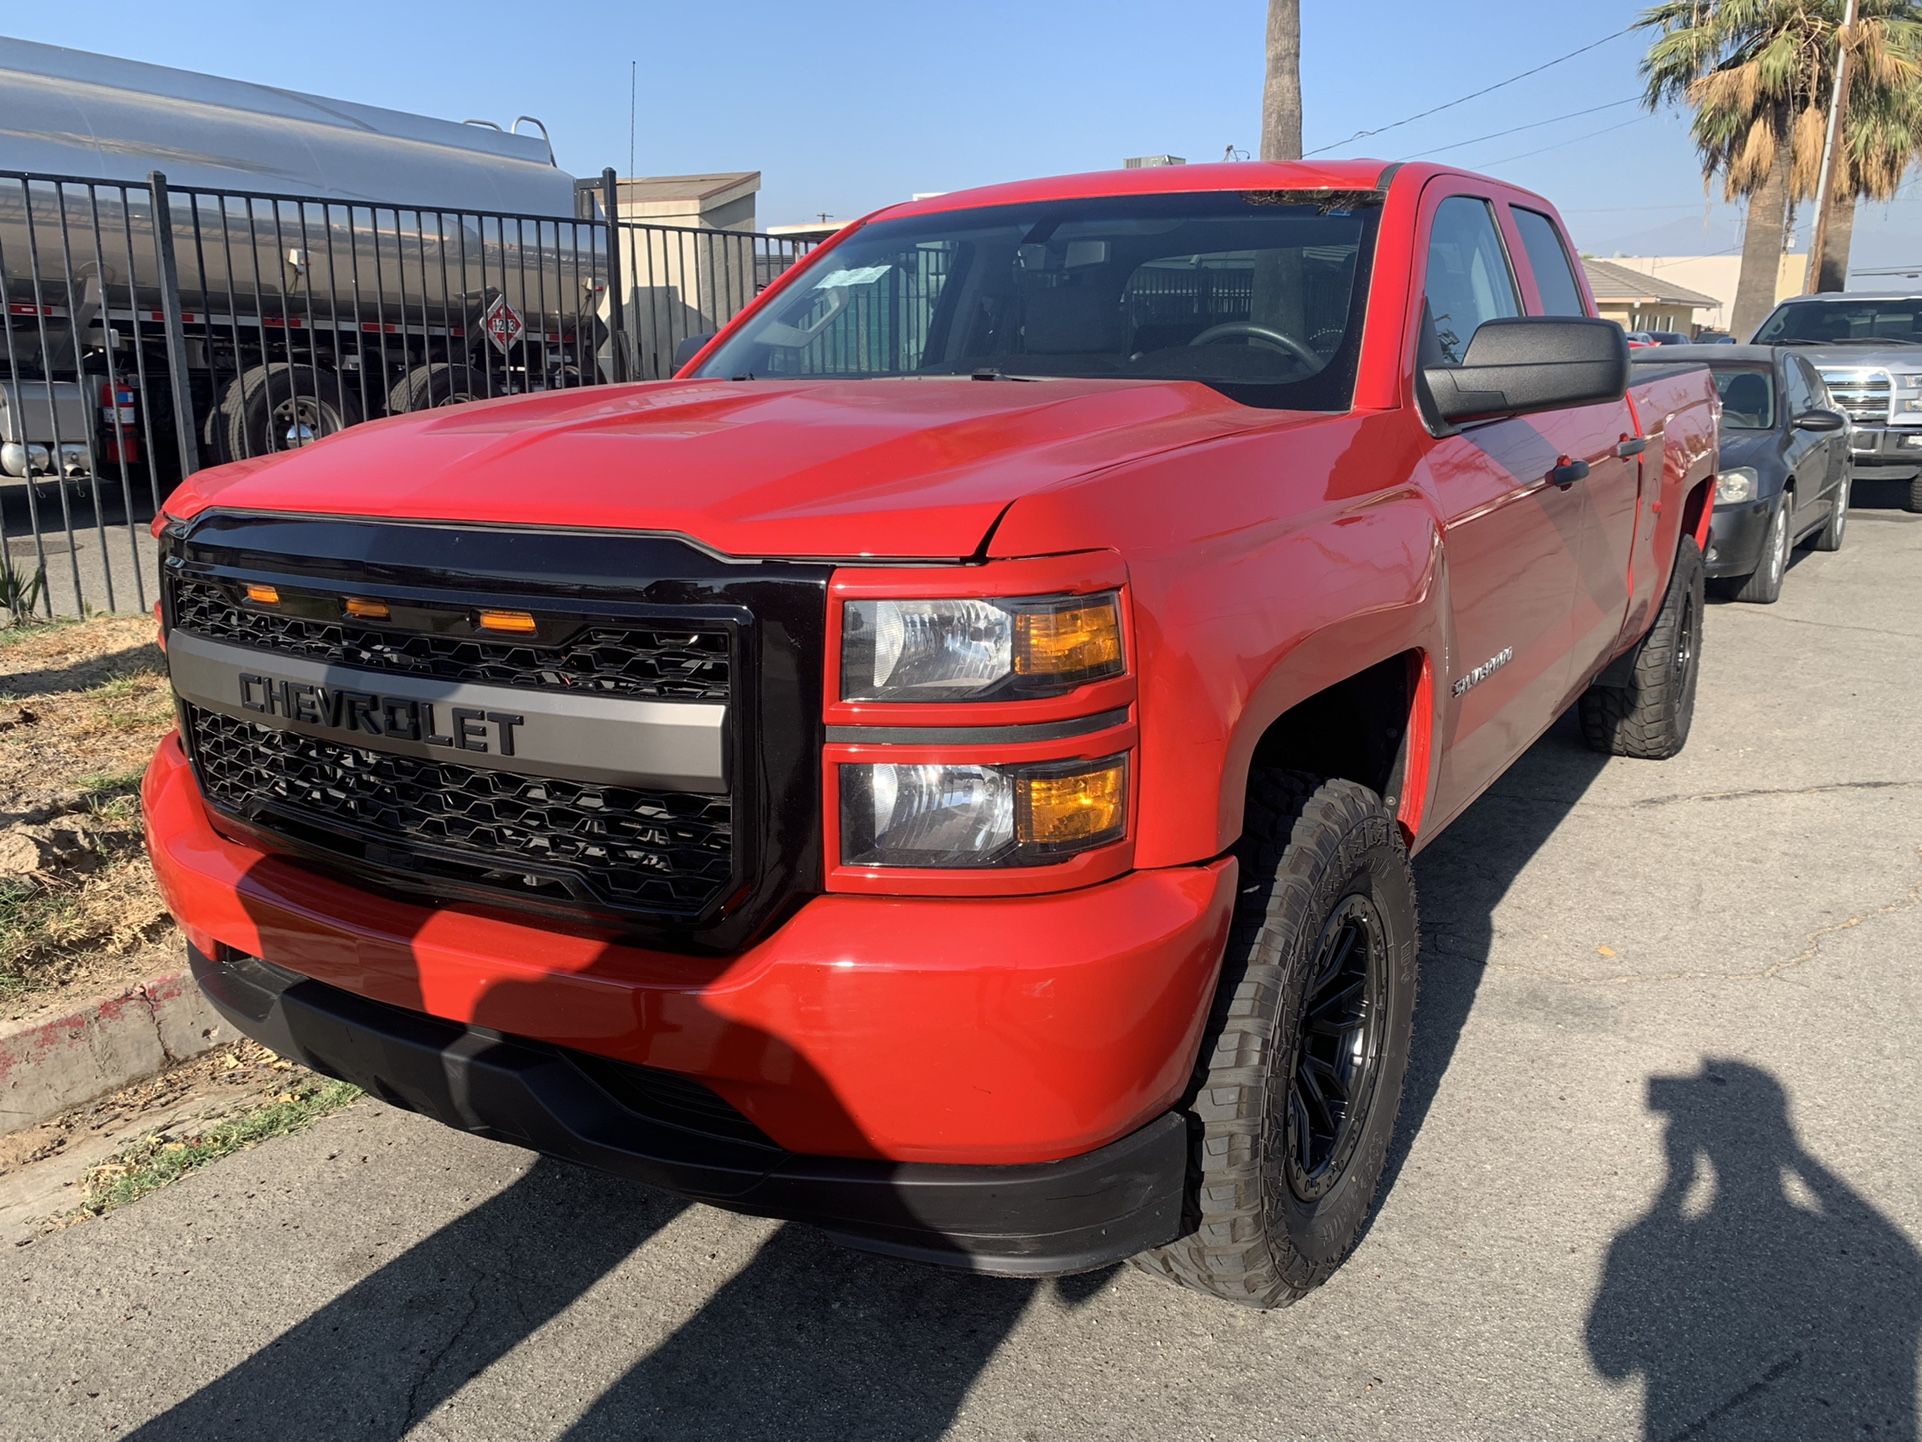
[(1568, 472)]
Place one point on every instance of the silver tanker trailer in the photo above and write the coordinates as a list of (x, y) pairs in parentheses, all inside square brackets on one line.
[(335, 262)]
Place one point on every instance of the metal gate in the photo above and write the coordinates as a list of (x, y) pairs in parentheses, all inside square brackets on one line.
[(152, 331)]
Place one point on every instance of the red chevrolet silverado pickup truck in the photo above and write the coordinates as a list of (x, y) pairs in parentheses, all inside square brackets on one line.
[(945, 765)]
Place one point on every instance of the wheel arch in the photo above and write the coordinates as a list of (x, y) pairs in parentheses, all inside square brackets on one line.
[(1374, 726)]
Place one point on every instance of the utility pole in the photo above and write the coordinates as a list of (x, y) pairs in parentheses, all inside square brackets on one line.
[(1281, 92), (1825, 182)]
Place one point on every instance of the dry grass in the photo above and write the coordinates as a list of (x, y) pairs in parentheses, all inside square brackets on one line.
[(82, 707)]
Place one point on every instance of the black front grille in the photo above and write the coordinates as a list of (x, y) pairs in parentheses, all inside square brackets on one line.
[(678, 663), (616, 847), (623, 616)]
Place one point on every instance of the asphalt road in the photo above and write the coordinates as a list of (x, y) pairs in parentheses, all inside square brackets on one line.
[(1659, 1171)]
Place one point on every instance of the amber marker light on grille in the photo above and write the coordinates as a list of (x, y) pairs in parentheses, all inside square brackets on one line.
[(514, 623), (263, 595), (1077, 639), (367, 610), (1070, 809)]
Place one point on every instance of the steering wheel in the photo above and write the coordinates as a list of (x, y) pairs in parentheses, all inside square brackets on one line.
[(1250, 330)]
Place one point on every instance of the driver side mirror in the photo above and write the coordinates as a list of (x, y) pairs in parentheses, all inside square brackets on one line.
[(1531, 363), (1821, 419)]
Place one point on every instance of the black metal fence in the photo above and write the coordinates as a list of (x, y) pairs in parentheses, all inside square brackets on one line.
[(152, 330)]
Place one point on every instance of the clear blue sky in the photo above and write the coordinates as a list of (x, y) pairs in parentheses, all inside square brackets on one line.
[(845, 106)]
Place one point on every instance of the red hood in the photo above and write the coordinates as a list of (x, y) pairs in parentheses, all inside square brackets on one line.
[(907, 468)]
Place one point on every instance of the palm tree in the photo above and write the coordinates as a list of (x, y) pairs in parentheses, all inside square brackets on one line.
[(1758, 74), (1281, 93), (1881, 135)]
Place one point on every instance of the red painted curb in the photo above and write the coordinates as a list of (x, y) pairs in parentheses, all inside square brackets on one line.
[(51, 1064)]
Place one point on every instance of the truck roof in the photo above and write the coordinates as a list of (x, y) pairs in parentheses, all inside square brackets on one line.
[(1158, 180), (1345, 174)]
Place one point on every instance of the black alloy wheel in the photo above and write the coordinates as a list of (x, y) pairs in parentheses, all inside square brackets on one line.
[(1338, 1049)]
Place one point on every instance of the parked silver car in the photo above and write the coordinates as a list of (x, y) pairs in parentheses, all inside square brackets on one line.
[(1869, 350)]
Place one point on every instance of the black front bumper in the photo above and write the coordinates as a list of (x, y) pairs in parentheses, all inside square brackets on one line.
[(1736, 535), (1032, 1220)]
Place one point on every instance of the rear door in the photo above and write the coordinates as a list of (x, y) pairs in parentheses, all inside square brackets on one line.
[(1509, 533), (1601, 436)]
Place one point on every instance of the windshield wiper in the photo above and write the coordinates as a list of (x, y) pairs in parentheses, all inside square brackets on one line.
[(990, 373)]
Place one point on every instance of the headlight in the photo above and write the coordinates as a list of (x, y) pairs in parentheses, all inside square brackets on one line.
[(974, 815), (1735, 484), (1908, 405), (967, 650), (1909, 382)]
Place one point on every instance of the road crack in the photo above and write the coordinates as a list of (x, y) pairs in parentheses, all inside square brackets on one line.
[(414, 1415), (1760, 1385)]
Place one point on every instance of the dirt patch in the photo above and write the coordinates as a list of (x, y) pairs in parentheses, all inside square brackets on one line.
[(82, 707), (108, 1151)]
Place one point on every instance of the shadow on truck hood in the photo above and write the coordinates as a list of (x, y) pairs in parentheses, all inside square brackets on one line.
[(906, 468)]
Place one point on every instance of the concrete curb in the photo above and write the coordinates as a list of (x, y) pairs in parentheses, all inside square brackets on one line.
[(51, 1064)]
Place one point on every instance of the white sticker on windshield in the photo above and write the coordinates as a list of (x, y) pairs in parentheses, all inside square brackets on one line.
[(860, 275)]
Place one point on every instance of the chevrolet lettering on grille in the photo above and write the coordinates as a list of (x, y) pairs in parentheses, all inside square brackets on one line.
[(620, 740), (470, 728)]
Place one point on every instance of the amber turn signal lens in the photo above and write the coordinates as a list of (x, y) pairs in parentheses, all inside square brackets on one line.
[(367, 610), (263, 595), (1073, 640), (1073, 808), (515, 623)]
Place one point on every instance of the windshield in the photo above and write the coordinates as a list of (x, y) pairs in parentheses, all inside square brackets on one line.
[(1258, 294), (1748, 397), (1844, 319)]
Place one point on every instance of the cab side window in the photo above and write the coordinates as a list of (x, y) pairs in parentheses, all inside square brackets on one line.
[(1801, 395), (1548, 259), (1815, 390), (1468, 279)]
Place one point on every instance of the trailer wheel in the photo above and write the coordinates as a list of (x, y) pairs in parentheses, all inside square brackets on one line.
[(282, 407), (440, 383)]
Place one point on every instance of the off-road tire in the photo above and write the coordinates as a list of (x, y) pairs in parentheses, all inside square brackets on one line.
[(1763, 585), (1829, 538), (1649, 717), (245, 420), (1915, 495), (436, 384), (1308, 846)]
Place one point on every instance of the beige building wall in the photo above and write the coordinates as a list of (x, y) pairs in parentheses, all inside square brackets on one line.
[(682, 279), (1631, 315), (1714, 275)]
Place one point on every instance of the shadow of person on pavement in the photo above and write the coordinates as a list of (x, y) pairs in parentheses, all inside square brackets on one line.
[(1759, 1296)]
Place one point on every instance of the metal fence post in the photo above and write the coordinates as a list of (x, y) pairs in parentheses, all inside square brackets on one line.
[(616, 297), (163, 241)]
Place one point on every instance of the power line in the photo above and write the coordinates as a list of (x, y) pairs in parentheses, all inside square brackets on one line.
[(1572, 140), (1532, 125), (1472, 95)]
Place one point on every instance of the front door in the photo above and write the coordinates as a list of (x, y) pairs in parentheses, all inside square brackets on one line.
[(1510, 532)]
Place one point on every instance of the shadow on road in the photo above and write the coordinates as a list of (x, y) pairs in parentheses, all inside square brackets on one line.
[(1760, 1296), (1461, 879), (807, 1340)]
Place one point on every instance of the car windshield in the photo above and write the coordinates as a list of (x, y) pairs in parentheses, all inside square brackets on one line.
[(1842, 320), (1258, 294), (1748, 397)]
